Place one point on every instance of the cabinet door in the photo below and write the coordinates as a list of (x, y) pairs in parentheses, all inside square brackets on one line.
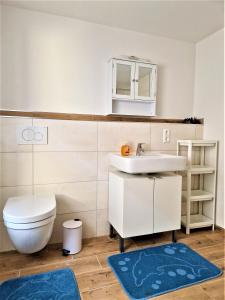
[(123, 79), (138, 206), (145, 81), (167, 203)]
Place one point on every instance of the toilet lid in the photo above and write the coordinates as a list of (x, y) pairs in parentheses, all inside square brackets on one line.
[(27, 209)]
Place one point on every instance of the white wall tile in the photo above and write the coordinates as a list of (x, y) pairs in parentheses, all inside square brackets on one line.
[(102, 194), (112, 135), (177, 132), (102, 222), (103, 165), (68, 135), (60, 167), (16, 169), (71, 197), (199, 131), (8, 137), (88, 225), (6, 192), (1, 134)]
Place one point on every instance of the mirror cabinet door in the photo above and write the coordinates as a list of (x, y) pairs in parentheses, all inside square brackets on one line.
[(123, 79), (145, 83)]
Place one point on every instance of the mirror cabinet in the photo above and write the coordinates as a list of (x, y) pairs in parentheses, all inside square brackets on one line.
[(132, 87)]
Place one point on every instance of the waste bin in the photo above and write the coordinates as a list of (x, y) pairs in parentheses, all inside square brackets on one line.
[(72, 236)]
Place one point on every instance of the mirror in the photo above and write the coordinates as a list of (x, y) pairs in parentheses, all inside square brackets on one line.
[(123, 79), (144, 82)]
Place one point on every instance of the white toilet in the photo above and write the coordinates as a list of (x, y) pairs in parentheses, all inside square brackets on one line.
[(29, 221)]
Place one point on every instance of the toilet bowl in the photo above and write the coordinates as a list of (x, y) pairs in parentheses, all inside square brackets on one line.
[(29, 221)]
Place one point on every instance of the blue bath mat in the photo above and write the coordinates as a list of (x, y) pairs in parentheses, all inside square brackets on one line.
[(55, 285), (150, 272)]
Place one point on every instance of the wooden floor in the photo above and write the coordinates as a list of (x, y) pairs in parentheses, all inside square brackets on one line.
[(95, 278)]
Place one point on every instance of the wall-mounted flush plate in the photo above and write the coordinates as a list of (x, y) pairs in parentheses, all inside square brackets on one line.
[(166, 136), (32, 135)]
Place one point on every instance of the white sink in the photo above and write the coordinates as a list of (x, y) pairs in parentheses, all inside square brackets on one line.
[(150, 163)]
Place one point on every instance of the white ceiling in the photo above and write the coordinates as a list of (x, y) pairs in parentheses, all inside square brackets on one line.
[(183, 20)]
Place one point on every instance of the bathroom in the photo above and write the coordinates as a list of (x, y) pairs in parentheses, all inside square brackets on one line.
[(55, 66)]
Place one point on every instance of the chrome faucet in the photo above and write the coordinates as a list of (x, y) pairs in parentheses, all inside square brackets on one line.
[(140, 149)]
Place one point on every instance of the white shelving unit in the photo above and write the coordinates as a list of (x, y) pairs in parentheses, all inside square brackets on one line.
[(205, 195)]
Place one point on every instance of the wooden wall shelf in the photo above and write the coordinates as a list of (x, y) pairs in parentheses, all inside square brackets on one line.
[(86, 117)]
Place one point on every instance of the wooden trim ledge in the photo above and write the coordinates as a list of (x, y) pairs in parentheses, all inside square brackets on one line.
[(86, 117)]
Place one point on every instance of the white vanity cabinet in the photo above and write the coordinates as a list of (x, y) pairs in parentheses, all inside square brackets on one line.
[(144, 204), (132, 87)]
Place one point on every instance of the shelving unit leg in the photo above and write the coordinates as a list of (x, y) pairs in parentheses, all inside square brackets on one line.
[(188, 203)]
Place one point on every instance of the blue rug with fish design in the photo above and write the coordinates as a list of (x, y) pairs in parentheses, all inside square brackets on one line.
[(150, 272), (55, 285)]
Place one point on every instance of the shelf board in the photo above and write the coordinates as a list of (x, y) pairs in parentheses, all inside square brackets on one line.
[(199, 169), (85, 117), (198, 195), (133, 100), (197, 221), (197, 143)]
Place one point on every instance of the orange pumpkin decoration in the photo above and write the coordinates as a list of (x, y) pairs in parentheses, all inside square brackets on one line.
[(125, 150)]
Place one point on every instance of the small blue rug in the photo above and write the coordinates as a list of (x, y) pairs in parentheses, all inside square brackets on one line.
[(150, 272), (55, 285)]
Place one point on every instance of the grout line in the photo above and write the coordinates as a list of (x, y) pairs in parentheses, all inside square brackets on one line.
[(83, 151), (17, 152), (74, 212), (46, 265), (205, 293), (150, 137), (86, 272), (98, 261), (14, 186), (51, 183), (97, 176), (66, 182), (50, 151), (64, 151), (206, 247), (102, 287), (81, 296)]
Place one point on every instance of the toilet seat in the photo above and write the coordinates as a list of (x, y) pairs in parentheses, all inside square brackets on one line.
[(28, 225), (29, 210)]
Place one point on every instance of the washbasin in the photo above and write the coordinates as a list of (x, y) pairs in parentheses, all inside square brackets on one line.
[(149, 163)]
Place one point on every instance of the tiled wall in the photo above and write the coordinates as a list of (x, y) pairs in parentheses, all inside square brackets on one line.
[(74, 165)]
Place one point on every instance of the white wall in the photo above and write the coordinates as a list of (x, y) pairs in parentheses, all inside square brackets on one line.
[(53, 63), (0, 55), (209, 102)]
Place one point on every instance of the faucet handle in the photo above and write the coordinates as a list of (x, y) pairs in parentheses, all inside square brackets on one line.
[(139, 149), (140, 145)]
